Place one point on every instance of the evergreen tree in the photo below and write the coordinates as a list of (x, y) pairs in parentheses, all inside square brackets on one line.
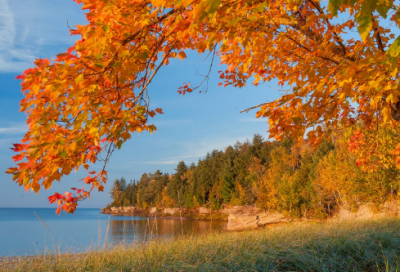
[(228, 183), (176, 184)]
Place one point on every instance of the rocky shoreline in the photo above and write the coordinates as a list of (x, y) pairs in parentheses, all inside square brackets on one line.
[(201, 213), (249, 217), (238, 217)]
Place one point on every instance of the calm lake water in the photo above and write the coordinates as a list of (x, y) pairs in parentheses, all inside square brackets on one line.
[(22, 233)]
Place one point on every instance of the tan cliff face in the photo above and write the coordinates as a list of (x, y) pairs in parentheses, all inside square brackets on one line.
[(203, 210), (364, 212), (250, 217), (133, 210)]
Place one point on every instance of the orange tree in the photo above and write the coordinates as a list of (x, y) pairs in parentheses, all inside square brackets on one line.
[(91, 98)]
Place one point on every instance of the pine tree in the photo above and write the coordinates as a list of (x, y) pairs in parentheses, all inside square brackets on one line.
[(228, 183), (177, 183)]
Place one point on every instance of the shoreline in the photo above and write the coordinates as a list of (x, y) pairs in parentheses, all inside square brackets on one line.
[(169, 213), (151, 217), (340, 246)]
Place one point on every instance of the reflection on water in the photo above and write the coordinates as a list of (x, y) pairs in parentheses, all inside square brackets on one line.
[(22, 233), (146, 229)]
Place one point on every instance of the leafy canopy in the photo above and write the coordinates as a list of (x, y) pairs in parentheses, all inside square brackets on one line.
[(91, 98)]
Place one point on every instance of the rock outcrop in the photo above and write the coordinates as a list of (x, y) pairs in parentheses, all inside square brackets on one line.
[(249, 217), (123, 211), (203, 210), (153, 211), (364, 212), (171, 211), (200, 213)]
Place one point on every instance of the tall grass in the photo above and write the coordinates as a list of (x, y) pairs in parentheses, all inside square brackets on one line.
[(351, 246)]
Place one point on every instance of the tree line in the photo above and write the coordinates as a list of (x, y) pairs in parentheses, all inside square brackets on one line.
[(297, 180)]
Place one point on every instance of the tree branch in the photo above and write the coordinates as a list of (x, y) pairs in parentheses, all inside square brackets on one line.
[(377, 35)]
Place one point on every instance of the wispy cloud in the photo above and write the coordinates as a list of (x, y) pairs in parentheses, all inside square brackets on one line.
[(245, 120), (210, 143), (167, 161), (167, 123), (12, 58), (194, 150), (160, 162), (20, 129), (28, 29)]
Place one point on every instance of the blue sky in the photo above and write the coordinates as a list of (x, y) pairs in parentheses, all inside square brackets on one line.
[(191, 126)]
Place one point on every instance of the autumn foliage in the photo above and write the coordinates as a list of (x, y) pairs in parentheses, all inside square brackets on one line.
[(90, 99), (296, 180)]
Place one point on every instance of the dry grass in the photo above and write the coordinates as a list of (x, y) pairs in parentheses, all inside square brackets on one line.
[(351, 246)]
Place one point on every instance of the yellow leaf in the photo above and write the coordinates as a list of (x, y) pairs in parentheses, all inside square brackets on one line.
[(79, 79), (387, 115), (94, 130)]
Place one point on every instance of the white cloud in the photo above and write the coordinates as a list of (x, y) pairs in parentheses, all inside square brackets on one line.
[(160, 162), (28, 28), (7, 26), (11, 59), (167, 123), (194, 150), (209, 143), (165, 161), (20, 129), (245, 120)]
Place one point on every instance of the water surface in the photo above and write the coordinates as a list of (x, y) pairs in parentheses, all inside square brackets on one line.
[(22, 233)]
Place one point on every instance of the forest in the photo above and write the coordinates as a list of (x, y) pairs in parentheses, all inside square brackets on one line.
[(297, 180)]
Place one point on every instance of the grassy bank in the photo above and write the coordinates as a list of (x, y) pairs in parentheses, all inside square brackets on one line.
[(351, 246)]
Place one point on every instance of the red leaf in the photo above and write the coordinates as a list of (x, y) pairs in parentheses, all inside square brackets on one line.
[(87, 180), (19, 147), (52, 198), (72, 48), (18, 157)]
